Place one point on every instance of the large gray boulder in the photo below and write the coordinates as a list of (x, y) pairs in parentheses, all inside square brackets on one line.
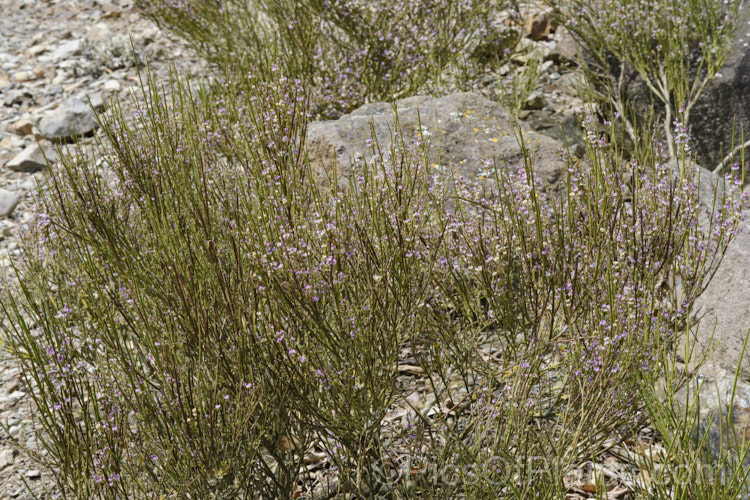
[(717, 344), (725, 309), (462, 130)]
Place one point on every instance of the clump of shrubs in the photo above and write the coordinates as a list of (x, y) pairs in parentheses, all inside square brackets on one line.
[(198, 316), (345, 51)]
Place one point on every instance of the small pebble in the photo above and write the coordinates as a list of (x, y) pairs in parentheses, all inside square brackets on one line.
[(23, 76), (33, 474), (112, 85)]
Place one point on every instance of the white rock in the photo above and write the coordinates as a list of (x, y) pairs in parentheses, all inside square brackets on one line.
[(33, 474), (112, 85), (67, 50), (8, 202), (6, 458), (37, 49)]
